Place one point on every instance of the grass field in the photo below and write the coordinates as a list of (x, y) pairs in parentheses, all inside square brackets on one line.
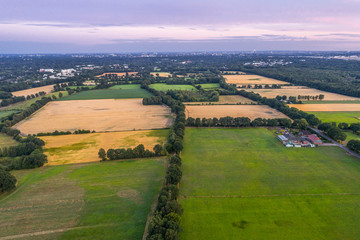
[(332, 102), (243, 184), (5, 113), (109, 200), (102, 115), (108, 94), (250, 111), (225, 99), (47, 89), (80, 148), (338, 117), (301, 90), (347, 107), (6, 141), (210, 85), (165, 87), (351, 136), (126, 86)]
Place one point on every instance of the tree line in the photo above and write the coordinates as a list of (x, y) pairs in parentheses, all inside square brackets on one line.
[(237, 122), (136, 152), (57, 133)]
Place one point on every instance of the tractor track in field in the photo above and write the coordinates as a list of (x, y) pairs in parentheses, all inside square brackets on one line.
[(272, 195)]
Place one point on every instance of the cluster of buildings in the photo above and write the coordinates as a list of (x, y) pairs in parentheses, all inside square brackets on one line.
[(304, 139)]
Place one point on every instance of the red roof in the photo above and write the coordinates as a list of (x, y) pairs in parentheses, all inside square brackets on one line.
[(313, 138)]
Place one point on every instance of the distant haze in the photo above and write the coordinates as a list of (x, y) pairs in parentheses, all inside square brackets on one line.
[(64, 26)]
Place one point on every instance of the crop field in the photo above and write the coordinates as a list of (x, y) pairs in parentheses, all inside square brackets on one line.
[(126, 86), (108, 94), (100, 115), (120, 74), (109, 200), (338, 117), (161, 74), (80, 148), (251, 79), (243, 184), (225, 99), (6, 141), (327, 107), (303, 91), (47, 89), (250, 111), (165, 87)]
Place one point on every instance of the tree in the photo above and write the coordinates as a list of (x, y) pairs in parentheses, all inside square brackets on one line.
[(321, 97), (7, 181), (158, 150), (336, 134), (102, 154), (300, 124), (60, 95)]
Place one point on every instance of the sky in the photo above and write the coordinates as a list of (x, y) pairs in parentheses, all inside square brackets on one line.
[(114, 26)]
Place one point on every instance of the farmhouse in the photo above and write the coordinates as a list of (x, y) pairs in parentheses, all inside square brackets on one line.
[(313, 138), (290, 140)]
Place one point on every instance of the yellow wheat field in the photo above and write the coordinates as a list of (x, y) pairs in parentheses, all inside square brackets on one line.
[(327, 107), (301, 90), (250, 111), (47, 89), (99, 115), (251, 79), (80, 148)]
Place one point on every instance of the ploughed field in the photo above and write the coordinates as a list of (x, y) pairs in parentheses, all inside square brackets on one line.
[(47, 89), (81, 148), (250, 111), (225, 99), (251, 79), (244, 184), (98, 115), (303, 91), (108, 200)]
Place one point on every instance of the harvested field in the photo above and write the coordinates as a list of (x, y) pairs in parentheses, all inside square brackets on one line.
[(251, 79), (225, 99), (99, 115), (80, 148), (161, 74), (301, 90), (30, 91), (327, 107), (250, 111), (121, 74)]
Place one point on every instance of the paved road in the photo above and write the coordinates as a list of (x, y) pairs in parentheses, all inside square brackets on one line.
[(335, 143)]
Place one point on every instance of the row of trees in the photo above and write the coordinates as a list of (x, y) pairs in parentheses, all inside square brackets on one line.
[(165, 223), (354, 145), (57, 133), (136, 152), (237, 122), (332, 131)]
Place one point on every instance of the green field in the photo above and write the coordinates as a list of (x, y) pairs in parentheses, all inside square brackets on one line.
[(5, 113), (338, 117), (351, 136), (109, 200), (108, 94), (165, 87), (210, 85), (243, 184), (75, 87), (126, 86), (6, 141)]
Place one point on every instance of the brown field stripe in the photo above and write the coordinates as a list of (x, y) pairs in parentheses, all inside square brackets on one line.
[(273, 195), (25, 235)]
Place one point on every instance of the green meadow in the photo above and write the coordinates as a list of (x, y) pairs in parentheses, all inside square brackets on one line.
[(108, 94), (338, 117), (210, 85), (6, 141), (244, 184), (166, 87), (126, 86), (109, 200)]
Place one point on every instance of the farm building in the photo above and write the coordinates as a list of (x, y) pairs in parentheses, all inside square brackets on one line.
[(314, 139), (290, 140)]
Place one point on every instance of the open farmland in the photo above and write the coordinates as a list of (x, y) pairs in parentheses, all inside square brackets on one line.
[(210, 85), (126, 86), (108, 94), (47, 89), (6, 141), (119, 74), (99, 115), (225, 99), (80, 148), (243, 184), (251, 79), (109, 200), (303, 91), (327, 107), (161, 74), (166, 87), (250, 111), (338, 117)]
